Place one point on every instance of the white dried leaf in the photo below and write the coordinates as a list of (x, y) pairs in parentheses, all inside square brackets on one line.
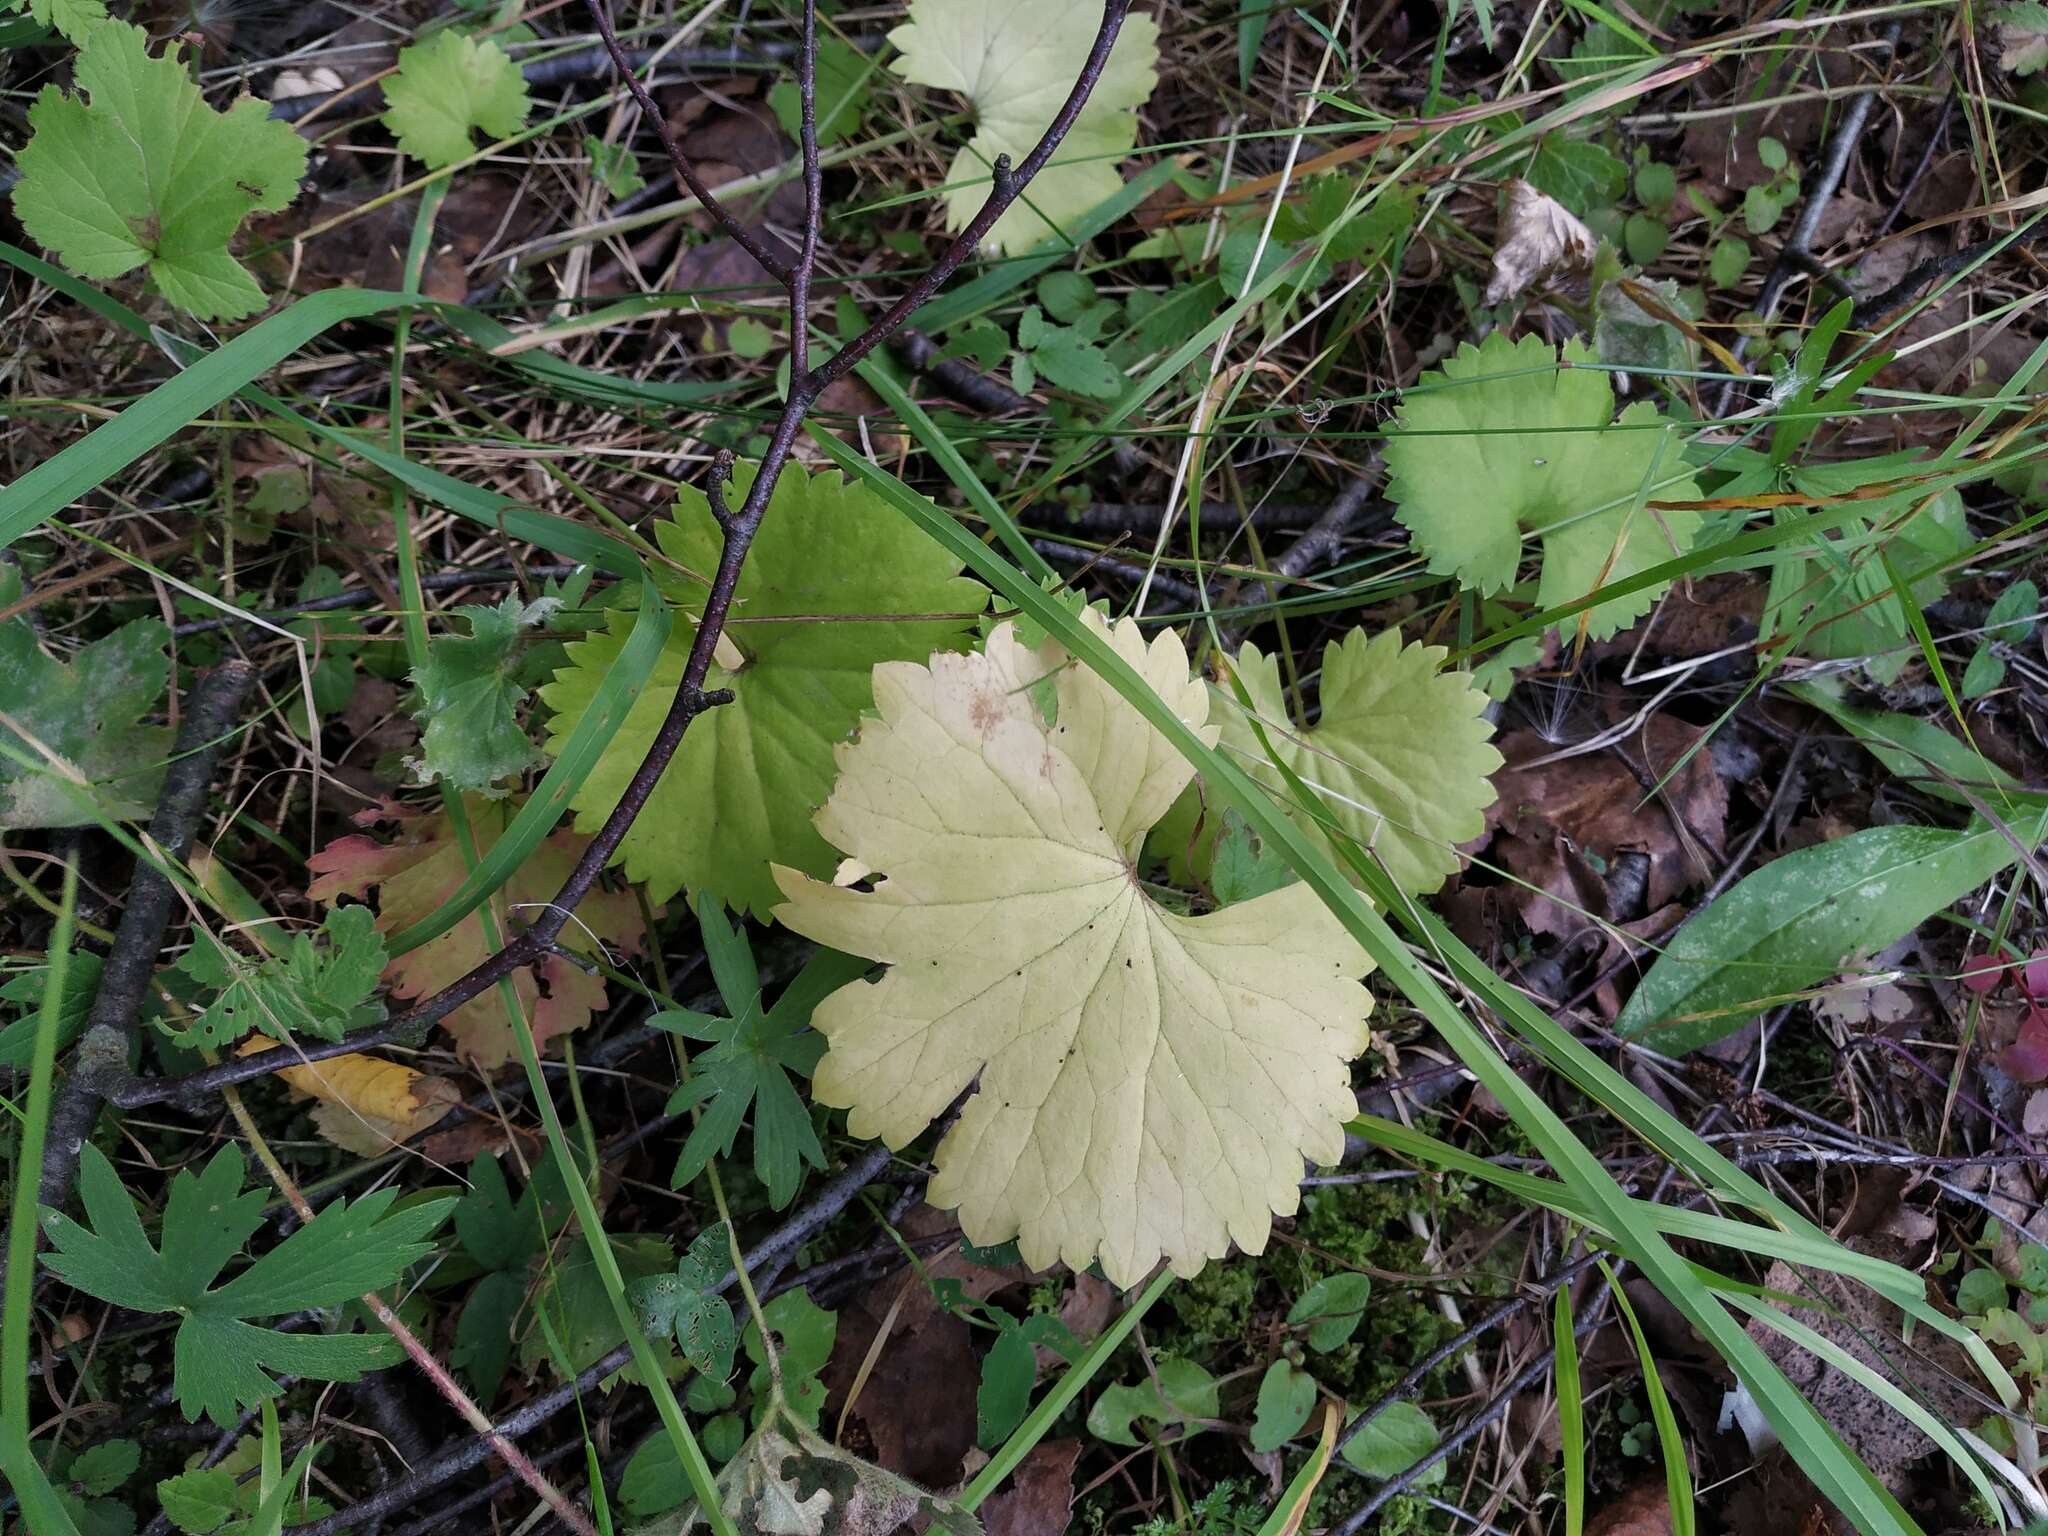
[(1539, 238)]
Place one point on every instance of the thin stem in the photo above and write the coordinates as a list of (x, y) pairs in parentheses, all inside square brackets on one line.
[(741, 236), (421, 1356)]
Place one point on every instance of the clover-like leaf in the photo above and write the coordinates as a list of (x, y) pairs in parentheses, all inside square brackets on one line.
[(1505, 441), (836, 582), (417, 872), (687, 1305), (447, 86), (305, 989), (87, 712), (1016, 64), (470, 700), (1148, 1083), (137, 170), (220, 1360)]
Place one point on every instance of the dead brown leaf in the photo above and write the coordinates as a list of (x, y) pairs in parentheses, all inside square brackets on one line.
[(1038, 1499), (915, 1411)]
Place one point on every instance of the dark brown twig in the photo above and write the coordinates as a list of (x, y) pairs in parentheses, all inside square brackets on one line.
[(743, 237), (101, 1059), (806, 384)]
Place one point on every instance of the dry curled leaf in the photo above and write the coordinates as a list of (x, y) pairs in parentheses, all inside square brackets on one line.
[(1539, 237), (367, 1104)]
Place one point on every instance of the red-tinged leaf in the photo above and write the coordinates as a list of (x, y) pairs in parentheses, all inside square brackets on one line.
[(2026, 1059), (2034, 978), (1983, 973), (422, 867)]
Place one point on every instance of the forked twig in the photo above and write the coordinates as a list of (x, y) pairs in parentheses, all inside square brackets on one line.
[(741, 236), (739, 527)]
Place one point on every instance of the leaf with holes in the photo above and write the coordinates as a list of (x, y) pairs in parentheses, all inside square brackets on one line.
[(221, 1361), (1016, 64), (836, 582), (138, 171), (1148, 1083), (417, 872), (1506, 441)]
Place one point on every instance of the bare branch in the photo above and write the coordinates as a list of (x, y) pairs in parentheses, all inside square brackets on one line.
[(740, 235)]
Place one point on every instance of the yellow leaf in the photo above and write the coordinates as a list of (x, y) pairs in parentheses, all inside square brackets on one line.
[(1149, 1083), (367, 1104)]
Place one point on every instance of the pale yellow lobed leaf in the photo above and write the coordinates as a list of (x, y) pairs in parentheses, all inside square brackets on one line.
[(1149, 1083), (1016, 64)]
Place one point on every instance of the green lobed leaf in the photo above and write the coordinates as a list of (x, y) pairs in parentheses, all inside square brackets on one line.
[(220, 1361), (469, 697), (835, 585), (138, 171), (1178, 1392), (447, 86), (306, 988), (1537, 432)]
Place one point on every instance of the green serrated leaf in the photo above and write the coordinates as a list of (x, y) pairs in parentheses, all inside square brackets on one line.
[(448, 86), (102, 1468), (836, 583), (138, 171), (199, 1502), (614, 165), (220, 1361), (469, 697), (306, 988), (1538, 433)]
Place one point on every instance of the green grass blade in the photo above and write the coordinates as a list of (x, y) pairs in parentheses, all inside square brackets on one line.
[(1798, 1426), (39, 1506), (1571, 1411), (623, 683), (1677, 1473)]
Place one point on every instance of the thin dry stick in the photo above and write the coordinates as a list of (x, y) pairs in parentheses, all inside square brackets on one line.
[(421, 1356), (739, 527)]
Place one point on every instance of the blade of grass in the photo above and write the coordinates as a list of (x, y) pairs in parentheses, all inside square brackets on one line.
[(39, 1506), (1798, 1426), (1571, 1411), (1677, 1473)]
